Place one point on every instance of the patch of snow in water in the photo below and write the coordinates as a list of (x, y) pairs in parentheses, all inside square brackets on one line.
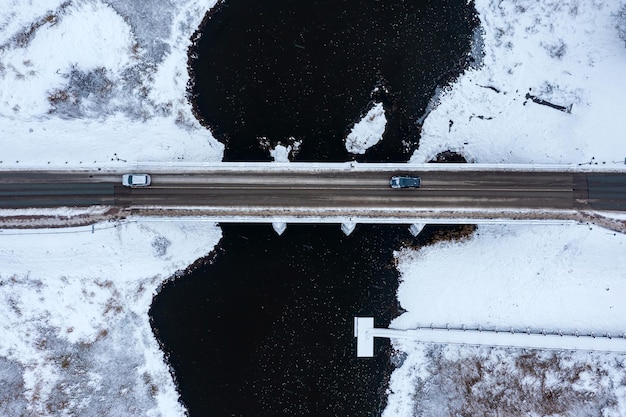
[(368, 131), (280, 153)]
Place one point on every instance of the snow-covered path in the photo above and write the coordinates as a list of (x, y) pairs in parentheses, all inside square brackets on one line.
[(365, 333)]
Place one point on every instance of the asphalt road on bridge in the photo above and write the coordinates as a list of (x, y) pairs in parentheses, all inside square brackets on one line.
[(278, 191)]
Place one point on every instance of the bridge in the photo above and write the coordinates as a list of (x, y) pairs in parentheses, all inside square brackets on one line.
[(347, 193)]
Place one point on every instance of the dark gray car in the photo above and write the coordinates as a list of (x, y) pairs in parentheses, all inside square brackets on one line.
[(405, 181)]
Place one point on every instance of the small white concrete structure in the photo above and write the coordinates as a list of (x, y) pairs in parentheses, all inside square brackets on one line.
[(347, 228), (279, 227), (365, 332), (416, 228), (364, 340)]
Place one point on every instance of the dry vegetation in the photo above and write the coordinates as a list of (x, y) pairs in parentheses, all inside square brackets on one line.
[(472, 381), (455, 233)]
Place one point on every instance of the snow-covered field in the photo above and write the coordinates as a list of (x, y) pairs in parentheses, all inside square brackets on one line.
[(76, 338), (98, 83), (102, 82), (94, 83), (569, 279), (569, 53)]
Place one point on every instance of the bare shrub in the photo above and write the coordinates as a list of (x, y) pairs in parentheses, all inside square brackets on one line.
[(455, 233), (556, 50), (472, 381), (160, 245), (12, 400), (620, 17)]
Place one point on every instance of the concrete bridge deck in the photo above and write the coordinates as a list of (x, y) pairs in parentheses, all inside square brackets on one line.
[(347, 193)]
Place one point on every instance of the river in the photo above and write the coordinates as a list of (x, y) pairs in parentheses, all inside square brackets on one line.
[(263, 326)]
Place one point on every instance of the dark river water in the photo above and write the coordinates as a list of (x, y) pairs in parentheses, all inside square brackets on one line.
[(308, 70), (264, 325), (266, 329)]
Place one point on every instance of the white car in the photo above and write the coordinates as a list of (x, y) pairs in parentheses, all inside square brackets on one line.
[(136, 180)]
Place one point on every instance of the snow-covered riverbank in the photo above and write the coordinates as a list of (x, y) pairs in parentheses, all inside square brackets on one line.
[(101, 84), (566, 278), (76, 337)]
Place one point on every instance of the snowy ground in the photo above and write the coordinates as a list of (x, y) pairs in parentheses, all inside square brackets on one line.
[(565, 52), (98, 83), (543, 277), (368, 131), (576, 280), (555, 277), (94, 83), (76, 339)]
